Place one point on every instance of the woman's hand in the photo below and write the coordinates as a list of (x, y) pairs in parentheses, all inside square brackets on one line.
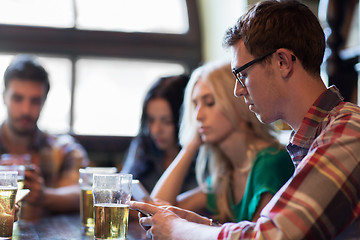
[(196, 141)]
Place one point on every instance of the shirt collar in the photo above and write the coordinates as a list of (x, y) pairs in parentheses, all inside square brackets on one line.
[(309, 127), (39, 140)]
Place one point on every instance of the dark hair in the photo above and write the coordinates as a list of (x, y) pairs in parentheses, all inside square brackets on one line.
[(171, 89), (143, 159), (26, 67), (270, 25)]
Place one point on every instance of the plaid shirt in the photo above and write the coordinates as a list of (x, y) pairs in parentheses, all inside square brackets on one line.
[(58, 157), (322, 199)]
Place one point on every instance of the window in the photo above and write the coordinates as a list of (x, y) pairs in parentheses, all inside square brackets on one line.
[(37, 13), (134, 15), (93, 51), (120, 85), (162, 16)]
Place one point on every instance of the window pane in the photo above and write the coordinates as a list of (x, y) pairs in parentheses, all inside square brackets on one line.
[(163, 16), (4, 62), (49, 13), (109, 94), (54, 117)]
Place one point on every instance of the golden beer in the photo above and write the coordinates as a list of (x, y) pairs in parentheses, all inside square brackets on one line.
[(87, 210), (111, 221), (20, 182), (7, 203)]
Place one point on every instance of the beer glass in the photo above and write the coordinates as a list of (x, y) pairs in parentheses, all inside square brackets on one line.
[(112, 195), (22, 163), (20, 179), (86, 196), (8, 189), (21, 173)]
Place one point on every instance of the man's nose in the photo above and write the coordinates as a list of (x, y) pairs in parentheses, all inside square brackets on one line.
[(26, 107), (239, 91)]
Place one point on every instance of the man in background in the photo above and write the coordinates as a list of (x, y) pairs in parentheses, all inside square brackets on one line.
[(55, 160)]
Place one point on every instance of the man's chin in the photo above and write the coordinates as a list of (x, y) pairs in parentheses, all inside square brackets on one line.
[(252, 108), (262, 119), (257, 114), (24, 132), (21, 131)]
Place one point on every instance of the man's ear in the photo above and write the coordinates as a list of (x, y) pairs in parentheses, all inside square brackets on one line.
[(286, 61)]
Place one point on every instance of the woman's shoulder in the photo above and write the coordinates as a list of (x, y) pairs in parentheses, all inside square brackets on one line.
[(272, 157), (273, 165)]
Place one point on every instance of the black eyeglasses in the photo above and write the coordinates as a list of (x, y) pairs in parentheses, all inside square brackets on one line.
[(237, 71)]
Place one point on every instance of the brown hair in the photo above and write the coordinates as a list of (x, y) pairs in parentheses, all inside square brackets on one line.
[(270, 25)]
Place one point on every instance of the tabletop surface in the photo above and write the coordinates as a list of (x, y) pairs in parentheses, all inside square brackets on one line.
[(66, 226)]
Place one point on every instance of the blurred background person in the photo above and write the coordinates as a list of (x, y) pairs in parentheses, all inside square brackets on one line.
[(157, 143), (240, 164), (55, 160)]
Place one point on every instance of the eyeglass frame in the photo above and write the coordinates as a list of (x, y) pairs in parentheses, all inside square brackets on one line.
[(238, 70)]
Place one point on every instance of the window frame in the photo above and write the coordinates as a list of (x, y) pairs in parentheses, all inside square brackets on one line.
[(183, 48)]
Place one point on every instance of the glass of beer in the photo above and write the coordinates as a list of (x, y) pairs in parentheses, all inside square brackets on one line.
[(86, 196), (112, 194), (8, 189), (22, 163), (21, 173), (20, 179)]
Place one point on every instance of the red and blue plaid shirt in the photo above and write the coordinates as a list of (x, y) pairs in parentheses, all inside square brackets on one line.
[(322, 199)]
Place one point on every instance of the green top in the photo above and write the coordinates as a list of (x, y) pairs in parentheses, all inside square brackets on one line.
[(271, 169)]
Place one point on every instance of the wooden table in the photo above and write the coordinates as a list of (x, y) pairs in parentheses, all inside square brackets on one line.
[(64, 227)]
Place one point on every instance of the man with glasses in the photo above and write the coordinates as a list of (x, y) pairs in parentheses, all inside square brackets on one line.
[(278, 48)]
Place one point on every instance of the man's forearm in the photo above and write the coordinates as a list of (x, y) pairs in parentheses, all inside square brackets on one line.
[(62, 199), (185, 230)]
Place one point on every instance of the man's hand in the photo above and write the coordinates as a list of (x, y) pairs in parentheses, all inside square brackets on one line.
[(165, 220), (17, 209), (158, 202), (188, 215), (35, 183), (158, 226)]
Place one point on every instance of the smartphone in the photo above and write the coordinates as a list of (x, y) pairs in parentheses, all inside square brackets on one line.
[(139, 192), (144, 213)]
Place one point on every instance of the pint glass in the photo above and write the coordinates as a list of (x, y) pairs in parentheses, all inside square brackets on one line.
[(86, 196), (8, 189), (112, 195)]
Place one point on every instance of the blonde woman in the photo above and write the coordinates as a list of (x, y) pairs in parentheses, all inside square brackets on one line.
[(240, 165)]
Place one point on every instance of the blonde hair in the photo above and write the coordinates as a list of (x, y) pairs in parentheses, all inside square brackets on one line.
[(210, 160)]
